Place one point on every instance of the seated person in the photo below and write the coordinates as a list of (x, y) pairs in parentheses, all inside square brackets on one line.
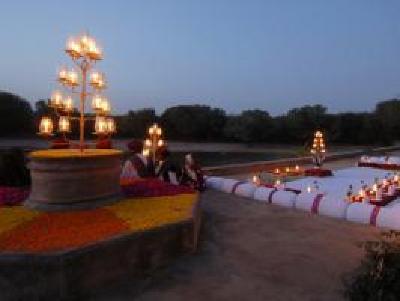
[(137, 165), (192, 175), (165, 170)]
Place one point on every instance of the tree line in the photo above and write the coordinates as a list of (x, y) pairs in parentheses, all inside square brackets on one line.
[(204, 123)]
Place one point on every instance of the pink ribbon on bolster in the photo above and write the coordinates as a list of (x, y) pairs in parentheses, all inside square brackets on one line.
[(374, 215), (271, 194), (235, 186), (316, 202)]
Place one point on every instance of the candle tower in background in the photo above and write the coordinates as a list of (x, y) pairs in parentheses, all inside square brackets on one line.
[(318, 149)]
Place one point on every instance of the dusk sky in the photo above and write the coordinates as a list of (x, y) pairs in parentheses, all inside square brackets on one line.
[(272, 55)]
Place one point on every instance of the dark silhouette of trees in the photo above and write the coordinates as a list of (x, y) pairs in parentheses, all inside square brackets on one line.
[(205, 123), (193, 122), (250, 126), (17, 118), (135, 123)]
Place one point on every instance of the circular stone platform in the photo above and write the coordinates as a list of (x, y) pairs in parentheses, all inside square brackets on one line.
[(68, 179)]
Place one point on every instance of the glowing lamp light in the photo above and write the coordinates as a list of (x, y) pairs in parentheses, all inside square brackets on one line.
[(73, 48), (256, 180), (146, 152), (56, 100), (297, 168), (105, 106), (160, 143), (100, 125), (97, 102), (68, 104), (111, 127), (97, 80), (63, 75), (64, 124), (147, 143), (95, 77), (151, 130), (287, 169), (46, 126), (72, 78)]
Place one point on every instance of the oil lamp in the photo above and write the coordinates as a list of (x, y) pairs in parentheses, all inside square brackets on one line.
[(154, 141), (64, 125), (46, 126)]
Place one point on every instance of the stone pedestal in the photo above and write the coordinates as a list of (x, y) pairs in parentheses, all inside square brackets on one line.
[(68, 179)]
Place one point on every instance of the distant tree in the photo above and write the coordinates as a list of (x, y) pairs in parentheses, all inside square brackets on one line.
[(42, 108), (250, 126), (302, 122), (193, 122), (388, 113), (16, 115), (135, 123)]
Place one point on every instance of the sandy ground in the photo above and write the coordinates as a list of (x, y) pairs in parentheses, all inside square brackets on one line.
[(254, 251)]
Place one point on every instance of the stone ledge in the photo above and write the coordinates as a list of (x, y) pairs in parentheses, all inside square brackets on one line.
[(76, 273)]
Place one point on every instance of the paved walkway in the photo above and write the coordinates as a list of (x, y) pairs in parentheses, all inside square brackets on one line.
[(253, 251)]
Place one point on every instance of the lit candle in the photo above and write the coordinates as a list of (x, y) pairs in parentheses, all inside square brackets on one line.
[(73, 48), (100, 125), (63, 124), (147, 143), (146, 152), (72, 78), (105, 106), (111, 128), (68, 104), (96, 102), (46, 126), (94, 77), (56, 99), (151, 130), (62, 75)]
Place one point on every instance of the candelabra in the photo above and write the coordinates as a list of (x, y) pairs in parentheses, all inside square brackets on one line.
[(154, 141), (84, 52), (318, 149)]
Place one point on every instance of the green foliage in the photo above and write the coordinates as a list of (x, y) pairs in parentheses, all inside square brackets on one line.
[(135, 123), (16, 115), (205, 123), (378, 276), (250, 126), (193, 122)]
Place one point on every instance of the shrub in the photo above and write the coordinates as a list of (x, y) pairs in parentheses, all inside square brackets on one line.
[(378, 276)]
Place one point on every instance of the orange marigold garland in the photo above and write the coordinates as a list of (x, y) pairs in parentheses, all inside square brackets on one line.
[(60, 231)]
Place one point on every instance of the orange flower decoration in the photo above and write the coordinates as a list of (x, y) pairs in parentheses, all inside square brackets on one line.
[(62, 230)]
